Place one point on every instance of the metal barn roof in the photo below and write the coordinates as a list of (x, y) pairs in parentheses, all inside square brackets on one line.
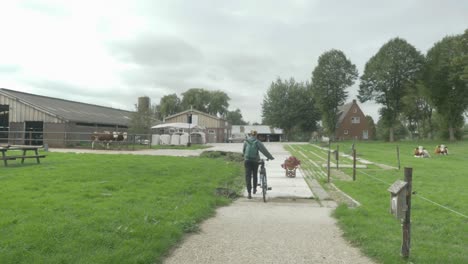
[(70, 110)]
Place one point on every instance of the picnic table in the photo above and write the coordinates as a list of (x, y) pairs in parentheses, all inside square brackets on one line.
[(23, 156)]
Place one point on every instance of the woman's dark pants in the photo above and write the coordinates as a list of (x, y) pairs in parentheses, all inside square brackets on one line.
[(251, 169)]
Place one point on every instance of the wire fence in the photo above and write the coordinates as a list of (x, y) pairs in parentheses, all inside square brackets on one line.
[(76, 140), (321, 173)]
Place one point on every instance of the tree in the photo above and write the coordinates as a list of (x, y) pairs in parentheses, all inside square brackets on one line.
[(333, 74), (444, 71), (387, 77), (464, 58), (169, 105), (235, 117), (218, 103), (418, 111), (383, 132), (196, 98), (371, 125), (289, 104), (212, 102)]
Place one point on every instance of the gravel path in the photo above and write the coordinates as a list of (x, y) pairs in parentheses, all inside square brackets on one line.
[(250, 231)]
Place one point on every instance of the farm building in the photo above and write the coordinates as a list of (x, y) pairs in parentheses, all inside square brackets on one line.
[(36, 120), (264, 133), (216, 128), (352, 123)]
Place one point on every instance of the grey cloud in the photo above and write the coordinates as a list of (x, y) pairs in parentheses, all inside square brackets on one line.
[(157, 51), (246, 68)]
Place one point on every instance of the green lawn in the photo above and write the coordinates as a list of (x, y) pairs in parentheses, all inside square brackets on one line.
[(439, 209), (86, 208)]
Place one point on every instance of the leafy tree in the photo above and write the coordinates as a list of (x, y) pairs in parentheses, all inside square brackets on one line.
[(383, 133), (387, 77), (418, 111), (333, 74), (371, 125), (288, 104), (212, 102), (197, 98), (444, 71), (463, 59), (169, 105), (218, 103), (235, 117)]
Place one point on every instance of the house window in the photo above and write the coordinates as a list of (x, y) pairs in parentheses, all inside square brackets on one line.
[(365, 134), (345, 132), (355, 120), (354, 110), (211, 131)]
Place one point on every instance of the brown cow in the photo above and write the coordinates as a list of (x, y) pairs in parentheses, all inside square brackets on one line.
[(105, 137), (421, 152), (441, 149)]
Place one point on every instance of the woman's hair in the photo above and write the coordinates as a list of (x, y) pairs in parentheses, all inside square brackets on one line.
[(253, 132)]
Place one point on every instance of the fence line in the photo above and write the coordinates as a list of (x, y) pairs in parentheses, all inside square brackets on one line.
[(418, 195), (445, 207), (422, 197), (64, 139)]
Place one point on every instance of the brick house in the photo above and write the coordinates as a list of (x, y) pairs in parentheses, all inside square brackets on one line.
[(352, 123)]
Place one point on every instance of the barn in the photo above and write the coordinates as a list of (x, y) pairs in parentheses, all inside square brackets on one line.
[(31, 119), (216, 128)]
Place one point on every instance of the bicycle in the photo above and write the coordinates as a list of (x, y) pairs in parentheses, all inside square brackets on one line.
[(263, 179)]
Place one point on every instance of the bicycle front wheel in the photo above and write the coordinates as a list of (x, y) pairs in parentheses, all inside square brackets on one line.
[(264, 186)]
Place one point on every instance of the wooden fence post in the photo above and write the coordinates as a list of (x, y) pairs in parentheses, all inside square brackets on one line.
[(337, 156), (406, 226), (398, 156), (328, 162), (354, 164)]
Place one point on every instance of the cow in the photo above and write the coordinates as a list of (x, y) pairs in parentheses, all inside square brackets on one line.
[(105, 137), (421, 152), (120, 136), (441, 149)]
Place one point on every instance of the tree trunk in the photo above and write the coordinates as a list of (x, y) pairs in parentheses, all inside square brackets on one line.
[(451, 134), (391, 134)]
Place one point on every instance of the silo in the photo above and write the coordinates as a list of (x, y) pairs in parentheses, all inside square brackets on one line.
[(143, 103)]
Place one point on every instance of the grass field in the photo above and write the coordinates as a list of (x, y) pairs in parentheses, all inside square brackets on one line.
[(439, 213), (85, 208)]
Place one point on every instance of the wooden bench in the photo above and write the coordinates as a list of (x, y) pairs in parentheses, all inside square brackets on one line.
[(5, 158)]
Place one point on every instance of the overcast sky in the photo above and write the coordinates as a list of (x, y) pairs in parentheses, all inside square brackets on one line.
[(112, 52)]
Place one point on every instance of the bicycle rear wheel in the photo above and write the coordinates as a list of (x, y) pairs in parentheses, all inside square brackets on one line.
[(264, 184)]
